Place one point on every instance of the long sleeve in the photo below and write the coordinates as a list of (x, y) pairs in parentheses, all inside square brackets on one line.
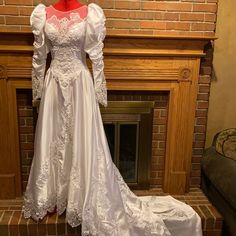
[(37, 21), (95, 35)]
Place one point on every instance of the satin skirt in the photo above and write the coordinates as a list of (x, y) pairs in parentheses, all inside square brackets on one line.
[(72, 169)]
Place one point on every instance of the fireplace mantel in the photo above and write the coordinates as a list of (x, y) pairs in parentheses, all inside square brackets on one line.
[(132, 62)]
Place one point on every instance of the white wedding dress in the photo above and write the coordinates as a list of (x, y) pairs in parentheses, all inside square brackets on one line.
[(72, 166)]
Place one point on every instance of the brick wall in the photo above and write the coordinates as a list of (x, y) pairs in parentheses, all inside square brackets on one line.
[(201, 115), (188, 17), (26, 132)]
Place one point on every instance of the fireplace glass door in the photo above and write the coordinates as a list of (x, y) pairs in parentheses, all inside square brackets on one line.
[(128, 127)]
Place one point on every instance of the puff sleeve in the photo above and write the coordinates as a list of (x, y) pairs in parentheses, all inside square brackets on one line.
[(40, 49), (95, 35)]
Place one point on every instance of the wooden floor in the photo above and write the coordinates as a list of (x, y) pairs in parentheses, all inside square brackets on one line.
[(12, 222)]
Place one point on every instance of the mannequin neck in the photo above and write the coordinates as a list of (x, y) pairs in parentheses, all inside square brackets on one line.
[(67, 5)]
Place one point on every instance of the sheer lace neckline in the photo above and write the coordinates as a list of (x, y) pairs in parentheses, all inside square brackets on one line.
[(76, 9), (81, 12)]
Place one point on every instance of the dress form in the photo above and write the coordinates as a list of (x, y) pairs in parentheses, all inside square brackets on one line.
[(67, 5)]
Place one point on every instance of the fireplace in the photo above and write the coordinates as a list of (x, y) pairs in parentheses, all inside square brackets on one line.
[(136, 68)]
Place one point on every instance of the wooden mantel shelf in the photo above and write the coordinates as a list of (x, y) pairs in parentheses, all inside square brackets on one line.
[(132, 62), (163, 36), (134, 45)]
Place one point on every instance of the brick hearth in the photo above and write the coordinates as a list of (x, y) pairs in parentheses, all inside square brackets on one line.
[(12, 223)]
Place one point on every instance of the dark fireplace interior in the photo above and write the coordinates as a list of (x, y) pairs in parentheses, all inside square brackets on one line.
[(128, 126)]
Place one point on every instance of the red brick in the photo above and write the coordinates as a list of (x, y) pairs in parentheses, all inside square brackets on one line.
[(204, 88), (22, 138), (201, 113), (168, 6), (156, 112), (210, 17), (205, 70), (105, 3), (18, 2), (203, 96), (152, 25), (25, 11), (162, 129), (170, 16), (117, 14), (199, 137), (26, 29), (205, 7), (127, 5), (177, 26), (196, 159), (26, 161), (6, 219), (123, 24), (162, 144), (204, 79), (202, 27), (29, 121), (122, 4), (15, 20), (201, 121), (153, 174), (23, 226), (195, 181), (141, 15), (195, 173), (30, 137), (51, 224), (25, 112), (27, 146), (156, 182), (117, 31), (198, 144), (8, 10), (26, 130), (22, 121), (160, 121), (2, 20), (196, 166), (159, 136), (24, 169), (32, 227), (200, 129), (192, 16)]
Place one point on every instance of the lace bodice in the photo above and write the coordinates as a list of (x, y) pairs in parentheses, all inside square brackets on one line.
[(68, 36)]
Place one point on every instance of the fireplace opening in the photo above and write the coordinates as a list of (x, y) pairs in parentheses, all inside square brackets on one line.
[(128, 127)]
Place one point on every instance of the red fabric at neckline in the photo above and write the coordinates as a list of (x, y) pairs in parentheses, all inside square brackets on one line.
[(83, 11)]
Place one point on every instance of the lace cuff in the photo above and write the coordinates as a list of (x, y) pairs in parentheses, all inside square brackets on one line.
[(101, 93)]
